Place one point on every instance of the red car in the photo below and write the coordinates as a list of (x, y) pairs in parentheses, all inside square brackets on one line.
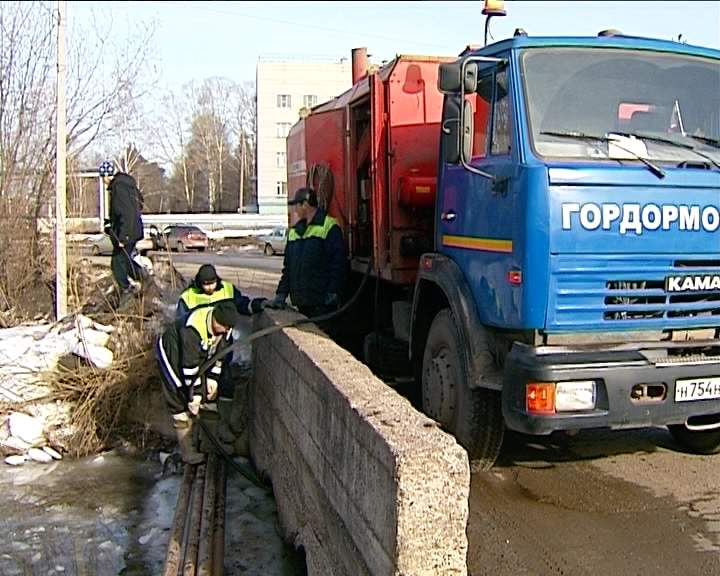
[(179, 237)]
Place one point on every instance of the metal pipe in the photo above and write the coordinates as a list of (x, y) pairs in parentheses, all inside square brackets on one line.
[(207, 519), (359, 61), (191, 548), (173, 556), (219, 531)]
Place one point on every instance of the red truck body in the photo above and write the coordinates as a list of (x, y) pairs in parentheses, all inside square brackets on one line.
[(372, 155)]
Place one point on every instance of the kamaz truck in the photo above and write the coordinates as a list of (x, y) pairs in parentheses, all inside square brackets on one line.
[(540, 218)]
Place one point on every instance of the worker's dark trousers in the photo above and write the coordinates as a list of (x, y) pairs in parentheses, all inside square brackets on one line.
[(123, 266), (233, 375)]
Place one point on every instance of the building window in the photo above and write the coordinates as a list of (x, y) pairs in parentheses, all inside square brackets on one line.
[(280, 159), (282, 129), (284, 101), (310, 100), (281, 188)]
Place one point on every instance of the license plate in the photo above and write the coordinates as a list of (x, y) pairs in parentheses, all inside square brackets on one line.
[(697, 389)]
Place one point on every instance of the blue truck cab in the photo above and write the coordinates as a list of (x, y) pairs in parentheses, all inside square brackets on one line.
[(575, 279)]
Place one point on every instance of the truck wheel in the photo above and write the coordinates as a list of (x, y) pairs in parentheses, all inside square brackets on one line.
[(268, 250), (474, 416), (697, 441)]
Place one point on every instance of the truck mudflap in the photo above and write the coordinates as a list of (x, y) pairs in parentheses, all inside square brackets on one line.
[(633, 388)]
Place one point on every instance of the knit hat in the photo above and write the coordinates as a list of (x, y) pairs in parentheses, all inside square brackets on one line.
[(226, 314), (206, 274)]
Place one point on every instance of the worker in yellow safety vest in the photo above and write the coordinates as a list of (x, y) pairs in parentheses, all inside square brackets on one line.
[(181, 350), (207, 289)]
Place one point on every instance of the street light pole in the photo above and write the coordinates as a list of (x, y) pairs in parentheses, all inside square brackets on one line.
[(60, 172)]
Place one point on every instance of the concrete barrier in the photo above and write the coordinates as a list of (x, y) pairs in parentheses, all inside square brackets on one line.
[(363, 482)]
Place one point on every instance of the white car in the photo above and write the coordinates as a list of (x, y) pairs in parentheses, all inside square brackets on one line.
[(273, 243)]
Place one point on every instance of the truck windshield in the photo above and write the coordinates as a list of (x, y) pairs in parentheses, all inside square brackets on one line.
[(654, 105)]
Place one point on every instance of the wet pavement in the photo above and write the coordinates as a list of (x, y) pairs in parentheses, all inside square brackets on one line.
[(111, 515), (621, 503)]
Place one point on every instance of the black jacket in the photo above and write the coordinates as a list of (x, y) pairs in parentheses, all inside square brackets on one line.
[(181, 351), (125, 218), (314, 264)]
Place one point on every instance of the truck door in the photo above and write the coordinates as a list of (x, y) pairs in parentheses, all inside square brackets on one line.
[(479, 216)]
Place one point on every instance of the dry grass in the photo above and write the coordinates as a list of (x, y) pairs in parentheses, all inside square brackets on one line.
[(98, 401), (101, 399)]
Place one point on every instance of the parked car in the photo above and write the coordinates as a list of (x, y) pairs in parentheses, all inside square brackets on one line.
[(273, 243), (179, 237), (101, 245)]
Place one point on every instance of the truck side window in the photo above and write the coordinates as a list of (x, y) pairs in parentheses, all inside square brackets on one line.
[(481, 120), (501, 116)]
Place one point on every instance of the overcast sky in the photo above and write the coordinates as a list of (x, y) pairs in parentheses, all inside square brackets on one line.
[(195, 40)]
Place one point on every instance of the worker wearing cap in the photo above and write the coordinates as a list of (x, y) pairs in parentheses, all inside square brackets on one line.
[(207, 288), (313, 272), (181, 350), (125, 226)]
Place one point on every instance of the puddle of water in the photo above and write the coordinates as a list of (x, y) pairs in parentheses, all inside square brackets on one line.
[(112, 514)]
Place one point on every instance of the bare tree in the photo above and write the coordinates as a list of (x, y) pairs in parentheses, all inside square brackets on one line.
[(245, 122), (27, 121), (171, 138), (207, 138)]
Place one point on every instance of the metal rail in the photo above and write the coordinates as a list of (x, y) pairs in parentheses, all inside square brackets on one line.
[(196, 545)]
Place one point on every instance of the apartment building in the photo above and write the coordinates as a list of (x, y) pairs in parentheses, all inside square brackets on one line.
[(284, 86)]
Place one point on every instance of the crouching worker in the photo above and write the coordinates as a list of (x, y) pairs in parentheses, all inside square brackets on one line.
[(181, 350)]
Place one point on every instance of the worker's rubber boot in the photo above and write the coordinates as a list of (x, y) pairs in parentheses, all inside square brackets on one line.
[(232, 430), (211, 424), (225, 435), (226, 429), (209, 421), (183, 425)]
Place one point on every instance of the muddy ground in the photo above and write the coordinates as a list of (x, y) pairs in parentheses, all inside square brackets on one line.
[(620, 503)]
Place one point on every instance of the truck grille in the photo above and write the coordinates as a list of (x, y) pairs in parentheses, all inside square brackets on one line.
[(629, 291)]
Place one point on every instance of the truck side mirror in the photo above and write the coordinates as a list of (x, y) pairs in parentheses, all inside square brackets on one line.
[(451, 130), (457, 136), (450, 75)]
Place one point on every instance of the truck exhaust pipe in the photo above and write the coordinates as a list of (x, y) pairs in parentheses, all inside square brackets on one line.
[(359, 61)]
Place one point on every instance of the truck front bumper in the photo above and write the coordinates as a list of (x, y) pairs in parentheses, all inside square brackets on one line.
[(615, 374)]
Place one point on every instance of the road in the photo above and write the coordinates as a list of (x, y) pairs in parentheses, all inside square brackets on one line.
[(245, 258), (601, 502), (597, 503)]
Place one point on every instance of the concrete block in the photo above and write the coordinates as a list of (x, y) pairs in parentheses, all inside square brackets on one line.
[(364, 482)]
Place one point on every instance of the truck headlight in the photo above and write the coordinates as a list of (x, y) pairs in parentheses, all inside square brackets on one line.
[(576, 395)]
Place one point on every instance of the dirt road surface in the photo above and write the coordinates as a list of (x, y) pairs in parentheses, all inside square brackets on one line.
[(615, 503)]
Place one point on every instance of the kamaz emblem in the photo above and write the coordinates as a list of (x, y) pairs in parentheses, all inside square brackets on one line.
[(699, 283)]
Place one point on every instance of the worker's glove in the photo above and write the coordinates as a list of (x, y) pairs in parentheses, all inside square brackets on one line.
[(257, 305), (331, 300), (194, 405), (277, 303)]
